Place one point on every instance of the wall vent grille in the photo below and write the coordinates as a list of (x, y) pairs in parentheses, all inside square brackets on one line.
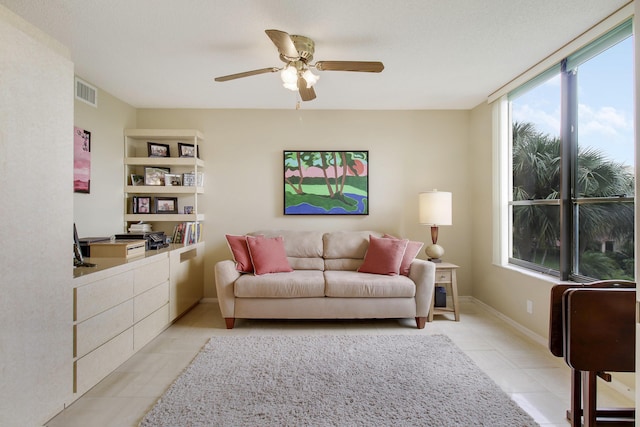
[(86, 92)]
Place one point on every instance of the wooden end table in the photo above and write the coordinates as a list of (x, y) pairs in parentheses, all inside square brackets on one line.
[(446, 276)]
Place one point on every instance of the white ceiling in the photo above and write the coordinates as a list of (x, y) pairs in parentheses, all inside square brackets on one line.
[(438, 54)]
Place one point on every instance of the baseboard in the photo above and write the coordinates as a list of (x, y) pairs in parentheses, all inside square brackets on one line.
[(528, 332), (614, 384)]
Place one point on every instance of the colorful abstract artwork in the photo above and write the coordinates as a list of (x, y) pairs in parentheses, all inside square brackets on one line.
[(326, 183), (81, 160)]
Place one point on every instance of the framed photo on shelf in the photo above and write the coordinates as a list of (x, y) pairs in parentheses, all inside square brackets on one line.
[(155, 176), (188, 209), (172, 179), (166, 205), (189, 179), (187, 150), (142, 205), (158, 150), (137, 179)]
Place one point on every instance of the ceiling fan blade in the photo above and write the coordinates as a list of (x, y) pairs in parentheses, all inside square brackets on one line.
[(284, 44), (246, 74), (306, 93), (360, 66)]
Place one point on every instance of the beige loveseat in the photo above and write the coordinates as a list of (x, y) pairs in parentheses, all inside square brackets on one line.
[(324, 283)]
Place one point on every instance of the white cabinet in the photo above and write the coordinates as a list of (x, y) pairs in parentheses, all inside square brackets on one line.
[(117, 311), (153, 200), (122, 304)]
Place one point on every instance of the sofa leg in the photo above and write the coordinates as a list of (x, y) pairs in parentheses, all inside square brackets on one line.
[(420, 322), (230, 321)]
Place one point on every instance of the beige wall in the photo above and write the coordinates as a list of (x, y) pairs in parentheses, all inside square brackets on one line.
[(410, 151), (506, 290), (36, 214), (100, 213)]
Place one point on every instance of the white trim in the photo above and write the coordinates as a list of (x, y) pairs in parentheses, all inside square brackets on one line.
[(502, 181), (616, 18)]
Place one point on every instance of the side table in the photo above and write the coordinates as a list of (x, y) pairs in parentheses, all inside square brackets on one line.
[(446, 276)]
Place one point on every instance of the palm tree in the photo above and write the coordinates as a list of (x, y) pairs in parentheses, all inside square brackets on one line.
[(536, 176)]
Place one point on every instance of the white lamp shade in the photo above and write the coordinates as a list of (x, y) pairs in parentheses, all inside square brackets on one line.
[(435, 208)]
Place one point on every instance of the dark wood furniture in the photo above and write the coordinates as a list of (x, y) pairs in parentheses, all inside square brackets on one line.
[(593, 327)]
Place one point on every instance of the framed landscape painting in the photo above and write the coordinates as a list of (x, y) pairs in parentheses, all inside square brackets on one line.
[(326, 182)]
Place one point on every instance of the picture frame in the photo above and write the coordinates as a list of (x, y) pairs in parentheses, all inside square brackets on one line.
[(81, 160), (137, 179), (156, 149), (189, 179), (155, 175), (166, 205), (326, 182), (172, 180), (142, 205), (188, 209), (188, 150)]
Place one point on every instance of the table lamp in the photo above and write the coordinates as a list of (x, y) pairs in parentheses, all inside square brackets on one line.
[(435, 210)]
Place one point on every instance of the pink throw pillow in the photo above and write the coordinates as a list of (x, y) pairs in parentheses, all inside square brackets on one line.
[(413, 248), (240, 251), (383, 256), (268, 255)]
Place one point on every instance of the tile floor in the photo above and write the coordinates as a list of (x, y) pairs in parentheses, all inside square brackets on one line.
[(524, 369)]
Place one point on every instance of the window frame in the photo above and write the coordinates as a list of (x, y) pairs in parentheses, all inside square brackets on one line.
[(568, 201)]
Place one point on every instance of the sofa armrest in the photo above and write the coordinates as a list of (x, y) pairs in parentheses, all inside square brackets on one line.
[(225, 276), (423, 274)]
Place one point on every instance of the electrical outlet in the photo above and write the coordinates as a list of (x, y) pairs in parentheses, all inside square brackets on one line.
[(529, 306)]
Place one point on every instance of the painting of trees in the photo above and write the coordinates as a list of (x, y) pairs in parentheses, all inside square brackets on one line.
[(326, 182)]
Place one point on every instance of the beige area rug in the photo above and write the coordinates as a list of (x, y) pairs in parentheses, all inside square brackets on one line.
[(361, 380)]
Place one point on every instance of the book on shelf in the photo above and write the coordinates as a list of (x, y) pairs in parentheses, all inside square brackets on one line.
[(187, 233)]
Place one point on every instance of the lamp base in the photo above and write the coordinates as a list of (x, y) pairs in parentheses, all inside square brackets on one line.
[(436, 260), (434, 252)]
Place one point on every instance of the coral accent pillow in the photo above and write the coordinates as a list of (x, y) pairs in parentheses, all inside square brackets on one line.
[(383, 256), (240, 251), (268, 255), (413, 248)]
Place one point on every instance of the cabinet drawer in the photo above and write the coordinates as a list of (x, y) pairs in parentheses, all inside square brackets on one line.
[(443, 276), (101, 295), (149, 327), (99, 329), (150, 275), (93, 367), (150, 301)]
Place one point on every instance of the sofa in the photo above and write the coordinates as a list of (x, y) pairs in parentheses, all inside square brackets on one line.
[(287, 274)]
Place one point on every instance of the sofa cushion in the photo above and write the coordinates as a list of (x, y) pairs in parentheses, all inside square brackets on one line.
[(346, 244), (413, 248), (303, 248), (267, 255), (351, 284), (384, 256), (298, 284), (345, 250)]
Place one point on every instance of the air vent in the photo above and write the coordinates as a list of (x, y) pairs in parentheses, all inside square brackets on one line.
[(86, 93)]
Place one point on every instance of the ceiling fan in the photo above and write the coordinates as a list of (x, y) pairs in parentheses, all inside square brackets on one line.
[(297, 53)]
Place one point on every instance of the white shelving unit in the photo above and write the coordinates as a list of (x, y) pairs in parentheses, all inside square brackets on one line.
[(137, 159)]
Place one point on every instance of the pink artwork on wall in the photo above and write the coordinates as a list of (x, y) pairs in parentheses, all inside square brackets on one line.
[(81, 160)]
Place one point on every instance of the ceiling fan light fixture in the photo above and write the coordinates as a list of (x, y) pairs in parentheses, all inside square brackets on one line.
[(310, 77), (291, 86), (289, 75)]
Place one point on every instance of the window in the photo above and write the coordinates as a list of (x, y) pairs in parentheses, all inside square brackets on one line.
[(572, 163)]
